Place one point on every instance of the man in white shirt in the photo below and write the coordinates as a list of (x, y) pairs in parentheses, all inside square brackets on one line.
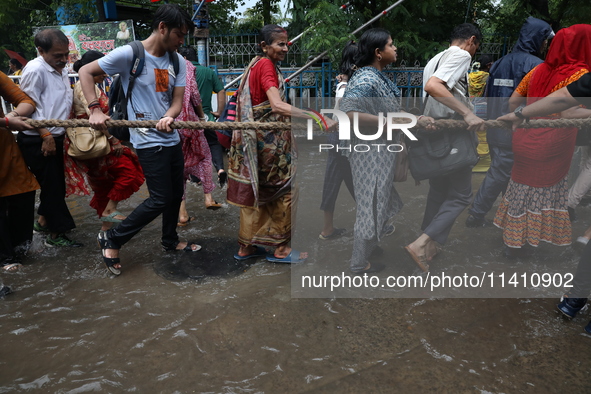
[(45, 80), (157, 95), (445, 79)]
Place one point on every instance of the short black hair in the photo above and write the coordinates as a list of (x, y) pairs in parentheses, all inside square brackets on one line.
[(47, 37), (189, 53), (16, 63), (88, 57), (464, 31), (174, 17), (484, 60), (268, 33), (348, 56), (368, 43)]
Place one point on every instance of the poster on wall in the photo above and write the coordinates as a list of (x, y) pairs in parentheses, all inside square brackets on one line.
[(102, 37)]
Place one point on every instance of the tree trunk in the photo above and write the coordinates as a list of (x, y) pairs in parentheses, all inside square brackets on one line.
[(101, 11), (266, 12)]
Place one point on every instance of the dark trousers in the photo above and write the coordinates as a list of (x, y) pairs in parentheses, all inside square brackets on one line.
[(217, 151), (448, 196), (495, 182), (163, 168), (16, 222), (49, 171), (338, 170)]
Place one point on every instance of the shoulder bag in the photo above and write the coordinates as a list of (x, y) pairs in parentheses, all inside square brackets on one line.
[(87, 143)]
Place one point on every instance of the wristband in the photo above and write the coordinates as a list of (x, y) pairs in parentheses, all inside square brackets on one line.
[(116, 143), (13, 112), (45, 135), (110, 137), (519, 113), (6, 120), (320, 116)]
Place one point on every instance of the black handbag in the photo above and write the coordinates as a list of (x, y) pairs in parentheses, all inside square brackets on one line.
[(441, 153)]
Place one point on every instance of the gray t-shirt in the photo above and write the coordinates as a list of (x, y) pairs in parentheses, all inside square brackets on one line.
[(152, 93)]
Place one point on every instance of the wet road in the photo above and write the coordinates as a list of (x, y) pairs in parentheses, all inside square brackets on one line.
[(203, 323)]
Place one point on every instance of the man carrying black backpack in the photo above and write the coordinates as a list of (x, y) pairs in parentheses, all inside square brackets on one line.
[(157, 95)]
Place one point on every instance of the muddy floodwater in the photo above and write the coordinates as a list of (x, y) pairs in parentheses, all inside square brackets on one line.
[(201, 322)]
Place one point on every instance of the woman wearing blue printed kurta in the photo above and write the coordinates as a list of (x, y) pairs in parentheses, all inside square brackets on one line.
[(368, 93)]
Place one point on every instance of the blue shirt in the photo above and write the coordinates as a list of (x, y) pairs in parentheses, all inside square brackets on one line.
[(152, 93)]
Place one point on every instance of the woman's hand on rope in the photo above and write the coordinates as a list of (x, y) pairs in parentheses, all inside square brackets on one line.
[(331, 124), (97, 120), (17, 123), (511, 118), (428, 123), (164, 124), (474, 122)]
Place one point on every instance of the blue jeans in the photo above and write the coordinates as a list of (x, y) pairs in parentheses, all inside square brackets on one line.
[(163, 168)]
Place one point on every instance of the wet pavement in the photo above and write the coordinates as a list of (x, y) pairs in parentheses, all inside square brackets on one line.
[(200, 322)]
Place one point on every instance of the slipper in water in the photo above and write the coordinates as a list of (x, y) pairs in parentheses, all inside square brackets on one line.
[(337, 232), (4, 291), (259, 252), (214, 207), (183, 224), (289, 259), (419, 261), (191, 247), (11, 267), (111, 218)]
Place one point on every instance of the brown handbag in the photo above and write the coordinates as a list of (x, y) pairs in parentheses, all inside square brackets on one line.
[(87, 143)]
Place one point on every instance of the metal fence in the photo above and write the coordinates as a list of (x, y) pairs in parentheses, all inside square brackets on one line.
[(315, 88)]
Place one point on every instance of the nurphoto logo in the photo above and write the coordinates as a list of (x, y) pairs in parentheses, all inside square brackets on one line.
[(345, 131)]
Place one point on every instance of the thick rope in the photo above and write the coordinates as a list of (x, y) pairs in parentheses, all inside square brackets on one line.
[(441, 124)]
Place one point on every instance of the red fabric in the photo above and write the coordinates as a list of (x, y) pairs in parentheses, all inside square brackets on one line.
[(110, 177), (263, 76), (543, 155), (195, 147)]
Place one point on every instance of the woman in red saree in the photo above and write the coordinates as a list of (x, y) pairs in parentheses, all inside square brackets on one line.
[(112, 178), (534, 208), (262, 163)]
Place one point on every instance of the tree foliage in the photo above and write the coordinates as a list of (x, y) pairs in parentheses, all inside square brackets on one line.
[(420, 29)]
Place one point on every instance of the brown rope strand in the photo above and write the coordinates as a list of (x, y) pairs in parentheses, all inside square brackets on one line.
[(441, 123)]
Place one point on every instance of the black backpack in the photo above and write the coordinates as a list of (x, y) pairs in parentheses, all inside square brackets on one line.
[(118, 99)]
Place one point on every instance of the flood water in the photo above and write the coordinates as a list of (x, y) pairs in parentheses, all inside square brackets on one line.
[(200, 322)]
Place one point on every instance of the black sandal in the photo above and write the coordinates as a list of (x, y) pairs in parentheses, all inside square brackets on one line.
[(105, 243), (188, 248)]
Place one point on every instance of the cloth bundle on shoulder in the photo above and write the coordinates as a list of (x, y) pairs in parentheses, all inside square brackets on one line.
[(87, 143), (229, 115)]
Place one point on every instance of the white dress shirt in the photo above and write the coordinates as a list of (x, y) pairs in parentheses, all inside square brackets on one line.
[(50, 90)]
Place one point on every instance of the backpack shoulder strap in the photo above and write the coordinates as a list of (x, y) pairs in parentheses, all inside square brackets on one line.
[(139, 58), (174, 59), (137, 65)]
